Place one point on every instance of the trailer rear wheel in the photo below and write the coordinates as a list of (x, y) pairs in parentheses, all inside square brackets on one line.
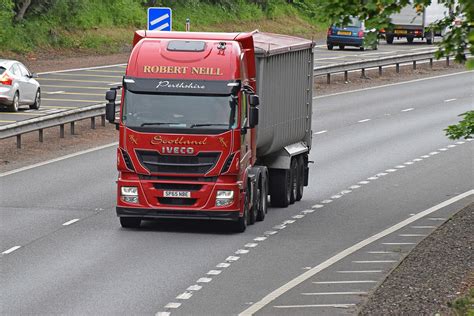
[(280, 187), (130, 222), (330, 46), (410, 39), (389, 39), (341, 47), (294, 179), (300, 178)]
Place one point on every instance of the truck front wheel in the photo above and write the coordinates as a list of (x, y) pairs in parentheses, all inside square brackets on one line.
[(241, 225), (130, 222), (280, 187)]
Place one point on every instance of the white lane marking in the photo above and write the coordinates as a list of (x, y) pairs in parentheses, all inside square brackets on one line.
[(279, 227), (360, 271), (443, 149), (71, 222), (320, 132), (363, 182), (400, 166), (6, 252), (412, 235), (391, 170), (223, 265), (214, 272), (408, 110), (355, 186), (297, 217), (346, 282), (55, 92), (316, 305), (316, 206), (437, 219), (163, 314), (372, 178), (270, 232), (450, 100), (425, 156), (194, 288), (172, 305), (307, 211), (251, 245), (114, 83), (381, 174), (57, 159), (79, 69), (204, 280), (329, 262), (398, 243), (451, 146), (184, 296), (336, 196), (346, 191), (241, 251), (408, 163), (393, 84), (260, 238), (374, 261), (376, 252), (460, 143), (334, 293), (417, 160), (326, 201), (423, 227), (232, 258), (364, 120), (433, 153)]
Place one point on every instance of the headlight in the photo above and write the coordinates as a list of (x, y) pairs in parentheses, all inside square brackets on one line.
[(129, 191), (224, 197)]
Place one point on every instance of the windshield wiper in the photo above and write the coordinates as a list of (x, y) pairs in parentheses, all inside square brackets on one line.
[(208, 124), (157, 123)]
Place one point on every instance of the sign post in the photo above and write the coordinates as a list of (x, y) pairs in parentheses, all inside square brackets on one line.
[(159, 19)]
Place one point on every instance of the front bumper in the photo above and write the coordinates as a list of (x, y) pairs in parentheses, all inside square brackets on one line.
[(146, 213)]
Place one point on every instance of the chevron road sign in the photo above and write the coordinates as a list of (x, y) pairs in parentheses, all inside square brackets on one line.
[(159, 19)]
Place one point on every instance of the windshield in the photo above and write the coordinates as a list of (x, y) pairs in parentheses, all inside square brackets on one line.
[(178, 111)]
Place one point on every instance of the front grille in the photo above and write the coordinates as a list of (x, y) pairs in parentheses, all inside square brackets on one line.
[(178, 186), (157, 163), (176, 201), (171, 178), (127, 160)]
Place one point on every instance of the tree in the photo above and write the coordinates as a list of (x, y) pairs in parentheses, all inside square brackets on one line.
[(458, 39)]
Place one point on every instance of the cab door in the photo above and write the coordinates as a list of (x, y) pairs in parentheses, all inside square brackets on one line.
[(245, 148)]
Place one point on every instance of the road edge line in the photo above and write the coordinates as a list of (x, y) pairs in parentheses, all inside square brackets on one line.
[(47, 162), (348, 251), (393, 84)]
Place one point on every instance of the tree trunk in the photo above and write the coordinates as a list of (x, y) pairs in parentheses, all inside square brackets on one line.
[(22, 7)]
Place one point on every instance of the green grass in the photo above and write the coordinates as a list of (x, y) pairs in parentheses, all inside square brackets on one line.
[(103, 27), (464, 306)]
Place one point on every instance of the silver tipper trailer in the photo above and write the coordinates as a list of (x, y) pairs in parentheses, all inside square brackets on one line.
[(284, 83), (416, 22)]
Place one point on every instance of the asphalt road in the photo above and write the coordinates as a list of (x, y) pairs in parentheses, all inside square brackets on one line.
[(65, 90), (380, 158)]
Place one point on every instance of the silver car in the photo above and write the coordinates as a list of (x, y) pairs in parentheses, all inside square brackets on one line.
[(18, 86)]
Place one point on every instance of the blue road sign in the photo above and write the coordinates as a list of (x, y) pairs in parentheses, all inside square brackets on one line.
[(159, 19)]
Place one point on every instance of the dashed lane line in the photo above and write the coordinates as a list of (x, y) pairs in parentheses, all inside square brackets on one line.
[(6, 252), (72, 221)]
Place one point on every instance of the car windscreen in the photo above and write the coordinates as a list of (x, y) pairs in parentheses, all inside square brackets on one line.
[(177, 111), (2, 70)]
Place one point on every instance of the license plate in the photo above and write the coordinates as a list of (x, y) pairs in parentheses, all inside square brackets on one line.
[(401, 31), (344, 33), (177, 194)]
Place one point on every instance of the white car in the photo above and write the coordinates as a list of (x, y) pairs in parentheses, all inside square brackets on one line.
[(18, 86)]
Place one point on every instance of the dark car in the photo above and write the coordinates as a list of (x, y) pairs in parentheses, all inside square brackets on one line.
[(353, 34)]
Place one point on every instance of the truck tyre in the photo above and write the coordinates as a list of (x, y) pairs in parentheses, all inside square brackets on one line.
[(241, 225), (15, 103), (36, 105), (300, 178), (362, 48), (262, 206), (389, 39), (430, 38), (280, 187), (330, 46), (294, 179), (410, 39), (130, 222), (253, 209), (341, 47)]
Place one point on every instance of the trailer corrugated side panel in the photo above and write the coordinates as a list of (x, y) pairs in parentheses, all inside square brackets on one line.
[(284, 85)]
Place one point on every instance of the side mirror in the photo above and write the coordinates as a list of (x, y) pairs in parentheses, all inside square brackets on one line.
[(111, 95), (253, 116), (254, 100), (34, 75)]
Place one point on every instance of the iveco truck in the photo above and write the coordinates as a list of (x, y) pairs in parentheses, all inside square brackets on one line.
[(211, 125)]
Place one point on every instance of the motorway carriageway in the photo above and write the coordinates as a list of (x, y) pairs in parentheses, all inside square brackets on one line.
[(69, 89), (384, 177)]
